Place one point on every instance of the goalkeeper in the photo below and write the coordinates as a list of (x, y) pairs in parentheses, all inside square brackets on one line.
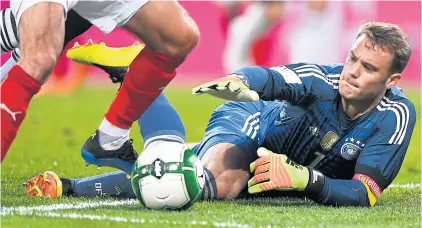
[(340, 135), (337, 133)]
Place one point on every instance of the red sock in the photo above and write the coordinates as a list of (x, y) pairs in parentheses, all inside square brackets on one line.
[(16, 93), (148, 75)]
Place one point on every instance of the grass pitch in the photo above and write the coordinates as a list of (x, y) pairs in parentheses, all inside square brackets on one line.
[(57, 126)]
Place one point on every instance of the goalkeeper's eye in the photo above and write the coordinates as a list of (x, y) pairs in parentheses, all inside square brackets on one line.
[(369, 68)]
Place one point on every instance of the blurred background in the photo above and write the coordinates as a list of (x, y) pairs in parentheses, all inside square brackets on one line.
[(236, 33)]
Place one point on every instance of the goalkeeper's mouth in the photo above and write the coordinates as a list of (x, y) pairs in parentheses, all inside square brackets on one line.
[(350, 83)]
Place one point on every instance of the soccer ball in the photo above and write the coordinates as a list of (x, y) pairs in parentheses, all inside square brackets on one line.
[(168, 175)]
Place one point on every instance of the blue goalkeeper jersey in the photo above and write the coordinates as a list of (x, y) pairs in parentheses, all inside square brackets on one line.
[(370, 148)]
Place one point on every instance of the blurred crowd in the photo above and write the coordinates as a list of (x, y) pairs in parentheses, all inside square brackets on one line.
[(314, 31), (240, 33)]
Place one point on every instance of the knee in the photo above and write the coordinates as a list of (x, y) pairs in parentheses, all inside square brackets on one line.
[(184, 41), (38, 64)]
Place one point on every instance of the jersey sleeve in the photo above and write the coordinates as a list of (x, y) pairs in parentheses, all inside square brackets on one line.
[(378, 163), (383, 154), (296, 83)]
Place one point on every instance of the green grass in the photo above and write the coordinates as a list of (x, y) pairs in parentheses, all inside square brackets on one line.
[(57, 126)]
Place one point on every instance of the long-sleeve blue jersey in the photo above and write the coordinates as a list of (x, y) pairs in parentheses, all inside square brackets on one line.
[(359, 158)]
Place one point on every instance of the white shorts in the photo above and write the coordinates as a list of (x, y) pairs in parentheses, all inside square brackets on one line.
[(104, 14)]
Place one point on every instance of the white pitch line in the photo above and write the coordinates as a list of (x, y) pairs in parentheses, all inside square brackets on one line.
[(131, 220), (94, 204), (66, 206), (48, 211)]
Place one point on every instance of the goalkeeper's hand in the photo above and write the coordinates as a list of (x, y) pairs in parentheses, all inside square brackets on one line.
[(276, 172), (230, 87)]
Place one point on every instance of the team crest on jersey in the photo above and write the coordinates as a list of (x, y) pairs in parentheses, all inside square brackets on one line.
[(351, 149), (330, 139)]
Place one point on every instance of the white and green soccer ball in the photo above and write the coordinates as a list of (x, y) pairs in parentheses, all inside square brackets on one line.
[(168, 175)]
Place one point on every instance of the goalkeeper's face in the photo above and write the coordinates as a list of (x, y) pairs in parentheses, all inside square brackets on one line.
[(366, 74)]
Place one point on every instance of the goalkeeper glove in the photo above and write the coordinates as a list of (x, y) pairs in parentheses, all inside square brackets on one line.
[(231, 87), (277, 172)]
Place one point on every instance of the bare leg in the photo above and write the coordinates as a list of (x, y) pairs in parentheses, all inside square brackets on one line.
[(229, 165), (174, 35), (41, 30), (41, 39), (169, 39)]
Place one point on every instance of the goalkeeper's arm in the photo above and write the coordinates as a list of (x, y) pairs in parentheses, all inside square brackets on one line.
[(275, 83), (277, 172), (327, 191)]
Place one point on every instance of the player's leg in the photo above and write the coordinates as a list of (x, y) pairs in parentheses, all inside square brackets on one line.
[(245, 29), (227, 171), (75, 25), (154, 129), (41, 29), (228, 147), (167, 45), (112, 184)]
